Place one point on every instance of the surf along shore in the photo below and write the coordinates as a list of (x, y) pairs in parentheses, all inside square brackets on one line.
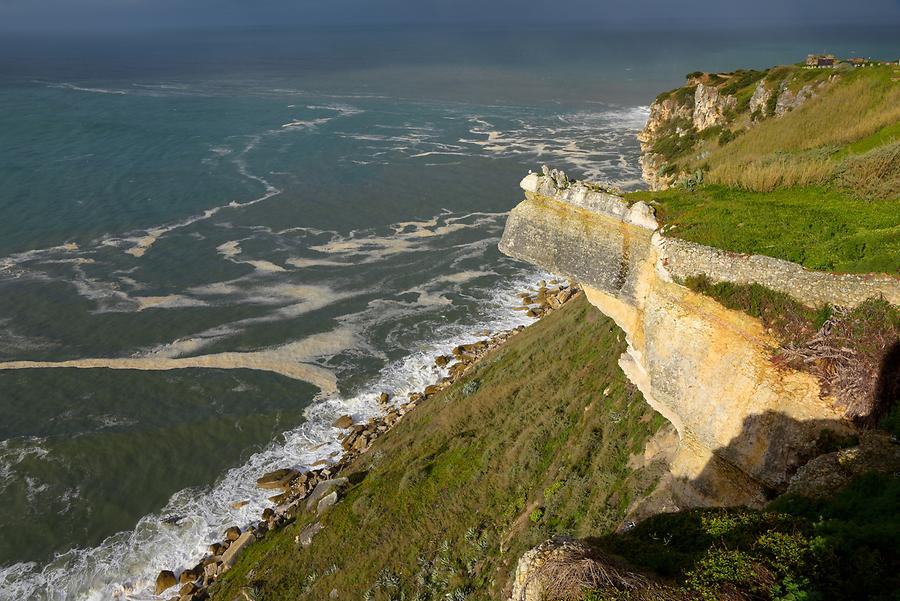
[(319, 488)]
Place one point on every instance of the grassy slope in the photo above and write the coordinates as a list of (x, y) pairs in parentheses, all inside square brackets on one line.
[(819, 186), (818, 228), (451, 498)]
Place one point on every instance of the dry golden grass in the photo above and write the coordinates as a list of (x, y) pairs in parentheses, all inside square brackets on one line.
[(799, 149), (769, 175), (875, 174)]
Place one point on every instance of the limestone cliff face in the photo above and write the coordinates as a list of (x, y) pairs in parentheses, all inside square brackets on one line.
[(745, 426), (663, 113), (677, 118), (760, 99), (680, 115), (710, 107)]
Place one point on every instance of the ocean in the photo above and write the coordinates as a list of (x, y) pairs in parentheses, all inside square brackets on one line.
[(214, 243)]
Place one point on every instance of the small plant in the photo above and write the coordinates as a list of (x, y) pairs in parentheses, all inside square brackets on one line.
[(725, 137), (536, 515), (551, 490), (470, 388), (691, 182)]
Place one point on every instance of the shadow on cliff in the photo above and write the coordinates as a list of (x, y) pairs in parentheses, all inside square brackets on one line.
[(754, 467), (759, 463), (841, 539), (887, 390)]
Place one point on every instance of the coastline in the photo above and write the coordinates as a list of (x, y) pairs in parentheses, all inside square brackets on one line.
[(317, 487)]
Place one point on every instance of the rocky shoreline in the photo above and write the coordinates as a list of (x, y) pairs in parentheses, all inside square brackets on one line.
[(317, 490)]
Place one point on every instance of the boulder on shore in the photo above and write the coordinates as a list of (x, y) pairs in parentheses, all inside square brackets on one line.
[(322, 489), (233, 533), (165, 580), (277, 479), (344, 421), (231, 555)]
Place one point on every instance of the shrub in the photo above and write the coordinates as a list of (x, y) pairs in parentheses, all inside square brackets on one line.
[(741, 79), (725, 137)]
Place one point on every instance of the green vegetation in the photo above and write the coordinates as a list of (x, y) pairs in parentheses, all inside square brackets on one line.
[(443, 505), (819, 186), (819, 228), (790, 321), (675, 139), (844, 547)]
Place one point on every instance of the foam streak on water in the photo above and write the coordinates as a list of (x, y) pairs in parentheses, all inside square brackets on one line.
[(125, 565), (363, 245)]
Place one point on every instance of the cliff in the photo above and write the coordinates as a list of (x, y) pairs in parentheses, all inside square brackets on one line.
[(745, 424), (707, 356), (689, 126)]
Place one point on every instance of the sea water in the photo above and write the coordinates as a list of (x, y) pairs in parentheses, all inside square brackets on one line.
[(212, 244)]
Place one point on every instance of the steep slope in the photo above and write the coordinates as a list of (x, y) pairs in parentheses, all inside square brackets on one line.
[(535, 442), (783, 127)]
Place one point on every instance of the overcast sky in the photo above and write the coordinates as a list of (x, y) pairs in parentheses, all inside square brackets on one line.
[(126, 14)]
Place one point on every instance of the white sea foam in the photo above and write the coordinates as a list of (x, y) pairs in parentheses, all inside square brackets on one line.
[(125, 565)]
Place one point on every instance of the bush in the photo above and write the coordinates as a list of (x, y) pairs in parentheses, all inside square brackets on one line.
[(741, 79), (725, 137)]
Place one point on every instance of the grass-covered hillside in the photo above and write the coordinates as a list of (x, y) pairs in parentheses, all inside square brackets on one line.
[(540, 441), (802, 164), (534, 443)]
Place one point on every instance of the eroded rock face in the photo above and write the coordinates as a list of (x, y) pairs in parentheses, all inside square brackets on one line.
[(760, 99), (710, 107), (706, 109), (662, 113), (745, 426), (788, 100)]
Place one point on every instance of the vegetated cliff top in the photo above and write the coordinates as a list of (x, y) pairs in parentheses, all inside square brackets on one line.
[(794, 162)]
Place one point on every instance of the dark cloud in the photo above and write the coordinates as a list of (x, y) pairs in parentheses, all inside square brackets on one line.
[(86, 14)]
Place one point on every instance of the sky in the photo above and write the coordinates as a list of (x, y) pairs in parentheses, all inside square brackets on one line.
[(148, 14)]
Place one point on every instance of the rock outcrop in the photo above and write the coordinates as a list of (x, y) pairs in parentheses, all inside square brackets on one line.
[(788, 100), (679, 114), (744, 425), (672, 142), (760, 100), (710, 107)]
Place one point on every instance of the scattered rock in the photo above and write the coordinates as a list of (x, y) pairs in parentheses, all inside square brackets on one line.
[(239, 504), (165, 580), (277, 479), (384, 398), (188, 576), (327, 502), (442, 361), (231, 555), (233, 533), (344, 421), (306, 535), (322, 489), (187, 589)]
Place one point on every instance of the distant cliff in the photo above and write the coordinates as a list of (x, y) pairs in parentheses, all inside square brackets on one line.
[(716, 107)]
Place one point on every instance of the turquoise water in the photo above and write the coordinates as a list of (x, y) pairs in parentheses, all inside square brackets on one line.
[(261, 231)]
